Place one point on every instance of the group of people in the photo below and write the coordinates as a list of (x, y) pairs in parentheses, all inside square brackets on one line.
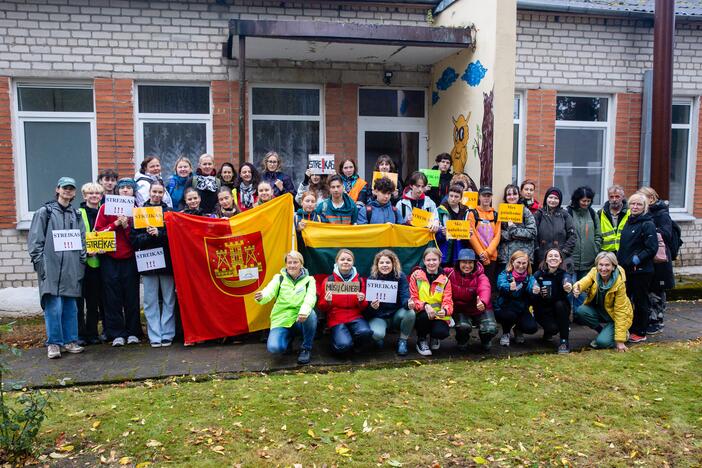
[(610, 269)]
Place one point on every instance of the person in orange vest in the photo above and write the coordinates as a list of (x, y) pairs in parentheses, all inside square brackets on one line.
[(354, 186)]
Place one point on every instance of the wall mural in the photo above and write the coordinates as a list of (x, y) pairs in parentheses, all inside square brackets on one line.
[(483, 142), (461, 135), (474, 73)]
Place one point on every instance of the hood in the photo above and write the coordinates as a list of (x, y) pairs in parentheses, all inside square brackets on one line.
[(553, 189), (376, 204), (660, 206), (642, 218)]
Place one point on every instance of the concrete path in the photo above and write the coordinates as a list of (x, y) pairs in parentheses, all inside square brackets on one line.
[(104, 364)]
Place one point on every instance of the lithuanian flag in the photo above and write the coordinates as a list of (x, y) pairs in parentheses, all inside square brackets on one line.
[(323, 241), (219, 264)]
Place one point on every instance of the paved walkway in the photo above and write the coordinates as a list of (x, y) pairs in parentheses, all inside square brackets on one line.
[(104, 364)]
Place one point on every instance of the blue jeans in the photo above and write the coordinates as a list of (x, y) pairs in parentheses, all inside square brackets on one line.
[(402, 320), (160, 323), (279, 337), (345, 335), (61, 318)]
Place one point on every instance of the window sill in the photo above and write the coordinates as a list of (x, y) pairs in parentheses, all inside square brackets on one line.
[(23, 225), (681, 217)]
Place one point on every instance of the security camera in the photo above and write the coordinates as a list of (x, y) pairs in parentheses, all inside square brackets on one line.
[(387, 77)]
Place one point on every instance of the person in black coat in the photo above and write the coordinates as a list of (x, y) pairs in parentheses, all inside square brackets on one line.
[(637, 248), (555, 229)]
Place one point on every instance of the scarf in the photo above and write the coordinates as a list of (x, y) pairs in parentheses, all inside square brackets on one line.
[(205, 182), (247, 194), (176, 187), (519, 277), (346, 278), (349, 182)]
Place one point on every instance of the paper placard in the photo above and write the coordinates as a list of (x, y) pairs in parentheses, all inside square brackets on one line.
[(102, 241), (66, 239), (470, 199), (510, 212), (390, 175), (420, 218), (433, 176), (151, 259), (339, 287), (321, 164), (248, 274), (456, 229), (382, 291), (148, 216), (119, 205)]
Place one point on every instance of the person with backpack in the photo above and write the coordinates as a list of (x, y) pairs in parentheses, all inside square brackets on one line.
[(150, 171), (179, 181), (515, 286), (443, 165), (293, 290), (380, 210), (59, 271), (354, 186), (414, 197), (613, 216), (515, 236), (271, 172), (554, 229), (339, 208), (587, 228), (485, 233), (451, 210)]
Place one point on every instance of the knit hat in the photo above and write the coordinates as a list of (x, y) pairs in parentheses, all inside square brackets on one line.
[(126, 181)]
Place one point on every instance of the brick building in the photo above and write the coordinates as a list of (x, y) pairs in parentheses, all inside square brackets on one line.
[(98, 84)]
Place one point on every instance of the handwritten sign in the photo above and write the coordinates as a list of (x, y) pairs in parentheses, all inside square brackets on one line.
[(456, 229), (66, 239), (104, 241), (248, 274), (321, 164), (119, 205), (470, 199), (510, 212), (420, 218), (151, 259), (148, 216), (390, 175), (339, 287), (381, 291), (433, 176)]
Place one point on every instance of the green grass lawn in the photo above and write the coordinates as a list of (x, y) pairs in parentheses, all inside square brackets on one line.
[(596, 408)]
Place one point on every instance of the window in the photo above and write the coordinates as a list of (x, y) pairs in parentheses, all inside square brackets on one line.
[(680, 154), (287, 120), (517, 169), (582, 135), (56, 137), (173, 121)]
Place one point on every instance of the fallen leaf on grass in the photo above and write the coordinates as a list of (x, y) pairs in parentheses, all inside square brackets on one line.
[(480, 460), (96, 424), (66, 448), (394, 463), (599, 424), (143, 464), (343, 451), (153, 443), (56, 455), (125, 461), (218, 449), (311, 433)]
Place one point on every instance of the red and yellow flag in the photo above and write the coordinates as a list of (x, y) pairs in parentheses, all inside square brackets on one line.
[(218, 264)]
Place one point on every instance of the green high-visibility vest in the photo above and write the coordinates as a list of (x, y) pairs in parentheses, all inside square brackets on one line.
[(610, 234), (92, 261)]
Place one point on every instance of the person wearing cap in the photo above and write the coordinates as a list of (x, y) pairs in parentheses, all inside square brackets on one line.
[(451, 210), (443, 164), (485, 233), (120, 277), (471, 292), (60, 272), (555, 229)]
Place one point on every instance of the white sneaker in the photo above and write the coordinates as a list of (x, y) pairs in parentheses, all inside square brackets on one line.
[(519, 338), (119, 341), (53, 351), (423, 348), (435, 344), (74, 348), (155, 344), (504, 339), (133, 340)]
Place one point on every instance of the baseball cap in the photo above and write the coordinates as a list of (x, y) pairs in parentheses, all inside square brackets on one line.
[(485, 190), (66, 182)]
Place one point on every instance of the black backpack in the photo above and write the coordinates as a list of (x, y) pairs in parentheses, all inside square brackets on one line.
[(676, 241)]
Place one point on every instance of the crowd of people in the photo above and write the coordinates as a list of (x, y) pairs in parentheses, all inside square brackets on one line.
[(609, 269)]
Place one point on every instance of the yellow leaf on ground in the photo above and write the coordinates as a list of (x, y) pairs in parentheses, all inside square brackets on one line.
[(480, 460), (344, 451), (311, 433), (66, 448), (143, 464), (56, 455), (96, 424), (153, 443), (125, 460), (599, 424)]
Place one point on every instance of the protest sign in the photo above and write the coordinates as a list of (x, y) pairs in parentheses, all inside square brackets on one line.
[(382, 291), (151, 259), (148, 216), (390, 175), (102, 241), (339, 287), (119, 205), (456, 229), (67, 239), (433, 176), (510, 212), (420, 218), (470, 199), (321, 164)]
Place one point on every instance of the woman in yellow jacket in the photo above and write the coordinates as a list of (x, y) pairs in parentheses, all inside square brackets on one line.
[(607, 308)]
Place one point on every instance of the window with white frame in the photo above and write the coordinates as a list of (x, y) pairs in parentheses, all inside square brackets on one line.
[(288, 120), (517, 139), (680, 154), (173, 121), (582, 133), (55, 138)]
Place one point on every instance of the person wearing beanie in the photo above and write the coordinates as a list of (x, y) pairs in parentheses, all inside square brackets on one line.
[(555, 229)]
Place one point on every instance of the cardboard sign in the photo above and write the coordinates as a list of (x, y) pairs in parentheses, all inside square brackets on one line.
[(104, 241), (390, 175), (321, 164), (151, 259), (420, 218), (456, 229), (119, 205), (382, 291), (433, 176), (148, 216), (339, 287), (66, 239), (470, 199), (510, 212)]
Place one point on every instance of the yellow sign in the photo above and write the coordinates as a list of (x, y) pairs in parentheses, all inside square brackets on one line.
[(470, 199), (390, 175), (420, 218), (510, 212), (103, 241), (148, 216), (456, 229)]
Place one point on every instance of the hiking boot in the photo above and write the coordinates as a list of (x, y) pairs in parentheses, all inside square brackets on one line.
[(435, 344), (74, 348), (53, 351), (133, 340), (119, 341), (564, 347), (304, 356), (402, 347), (423, 348), (504, 339), (634, 338), (519, 338)]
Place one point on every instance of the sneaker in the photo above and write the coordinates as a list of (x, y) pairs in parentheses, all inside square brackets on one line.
[(654, 328), (402, 347), (435, 344), (593, 344), (634, 338), (119, 341), (519, 338), (74, 348), (304, 356), (166, 343), (133, 340), (504, 339), (81, 342), (564, 347), (53, 351), (155, 344), (423, 348)]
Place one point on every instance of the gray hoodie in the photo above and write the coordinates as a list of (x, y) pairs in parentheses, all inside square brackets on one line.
[(60, 273)]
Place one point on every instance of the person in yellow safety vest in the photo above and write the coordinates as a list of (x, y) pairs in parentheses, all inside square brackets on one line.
[(90, 304), (613, 216)]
